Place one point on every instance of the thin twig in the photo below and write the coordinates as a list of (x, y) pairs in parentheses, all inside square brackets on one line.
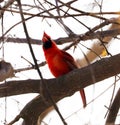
[(112, 96), (29, 68), (7, 4)]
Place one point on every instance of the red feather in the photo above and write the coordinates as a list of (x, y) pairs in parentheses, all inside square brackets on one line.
[(59, 61)]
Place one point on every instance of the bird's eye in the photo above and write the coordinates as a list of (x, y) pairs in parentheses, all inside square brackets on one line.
[(47, 44)]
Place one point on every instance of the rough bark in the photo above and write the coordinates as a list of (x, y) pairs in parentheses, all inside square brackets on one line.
[(61, 87)]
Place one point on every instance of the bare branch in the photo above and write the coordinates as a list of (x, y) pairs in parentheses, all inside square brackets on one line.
[(84, 37), (43, 85), (61, 87), (106, 68), (113, 110), (7, 4), (29, 68)]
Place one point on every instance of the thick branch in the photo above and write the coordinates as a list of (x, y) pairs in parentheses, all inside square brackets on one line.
[(61, 87), (71, 82), (105, 68)]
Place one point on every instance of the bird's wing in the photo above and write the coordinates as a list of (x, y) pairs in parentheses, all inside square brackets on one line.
[(69, 60)]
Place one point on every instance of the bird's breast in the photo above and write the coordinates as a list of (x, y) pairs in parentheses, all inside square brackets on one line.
[(57, 65)]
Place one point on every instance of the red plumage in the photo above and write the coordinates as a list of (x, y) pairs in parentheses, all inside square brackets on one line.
[(59, 61)]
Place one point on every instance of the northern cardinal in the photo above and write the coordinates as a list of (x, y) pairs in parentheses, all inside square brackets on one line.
[(59, 61)]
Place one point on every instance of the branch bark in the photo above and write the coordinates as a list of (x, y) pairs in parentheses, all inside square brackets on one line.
[(61, 87), (90, 36), (113, 110), (73, 81)]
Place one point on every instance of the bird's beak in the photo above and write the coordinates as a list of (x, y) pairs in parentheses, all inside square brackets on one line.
[(45, 37)]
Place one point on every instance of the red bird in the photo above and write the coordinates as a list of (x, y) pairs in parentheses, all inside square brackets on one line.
[(59, 61)]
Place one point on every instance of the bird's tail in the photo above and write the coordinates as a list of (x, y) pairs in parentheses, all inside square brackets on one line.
[(82, 93)]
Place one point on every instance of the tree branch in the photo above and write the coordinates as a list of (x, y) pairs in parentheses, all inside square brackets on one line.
[(43, 85), (73, 81), (61, 87), (90, 36), (7, 4), (113, 110)]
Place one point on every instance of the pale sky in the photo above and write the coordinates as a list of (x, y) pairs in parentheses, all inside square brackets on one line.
[(71, 107)]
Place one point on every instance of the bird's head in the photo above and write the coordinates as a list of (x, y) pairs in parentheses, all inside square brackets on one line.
[(47, 42)]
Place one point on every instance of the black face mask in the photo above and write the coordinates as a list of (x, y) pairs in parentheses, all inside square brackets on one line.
[(47, 44)]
